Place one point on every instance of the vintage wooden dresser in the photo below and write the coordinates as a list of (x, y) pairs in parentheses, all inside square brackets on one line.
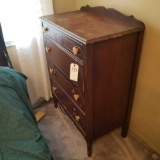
[(93, 57)]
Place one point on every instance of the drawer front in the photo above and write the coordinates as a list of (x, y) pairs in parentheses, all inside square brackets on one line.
[(52, 33), (69, 105), (73, 92), (63, 61), (73, 46)]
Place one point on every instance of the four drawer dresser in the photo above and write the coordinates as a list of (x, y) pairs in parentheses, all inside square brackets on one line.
[(92, 56)]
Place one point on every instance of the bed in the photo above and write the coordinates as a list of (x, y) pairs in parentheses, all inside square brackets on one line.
[(20, 137)]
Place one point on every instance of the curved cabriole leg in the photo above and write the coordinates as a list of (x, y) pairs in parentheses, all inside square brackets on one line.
[(89, 149)]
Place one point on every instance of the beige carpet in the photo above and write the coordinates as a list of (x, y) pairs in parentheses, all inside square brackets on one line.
[(67, 143)]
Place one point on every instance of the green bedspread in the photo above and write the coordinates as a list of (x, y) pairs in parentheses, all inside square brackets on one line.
[(20, 137)]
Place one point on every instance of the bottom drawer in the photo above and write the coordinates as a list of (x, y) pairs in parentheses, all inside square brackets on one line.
[(69, 106)]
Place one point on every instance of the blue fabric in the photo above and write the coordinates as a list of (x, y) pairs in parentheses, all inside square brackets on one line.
[(20, 137)]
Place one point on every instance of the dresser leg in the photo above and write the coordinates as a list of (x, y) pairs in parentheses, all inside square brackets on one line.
[(55, 102), (124, 131), (89, 149)]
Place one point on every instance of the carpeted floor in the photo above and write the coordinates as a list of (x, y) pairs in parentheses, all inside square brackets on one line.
[(67, 143)]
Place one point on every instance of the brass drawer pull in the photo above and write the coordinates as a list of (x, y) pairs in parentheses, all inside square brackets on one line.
[(77, 118), (54, 72), (45, 29), (48, 49), (55, 89), (75, 50), (51, 70), (76, 97), (75, 115)]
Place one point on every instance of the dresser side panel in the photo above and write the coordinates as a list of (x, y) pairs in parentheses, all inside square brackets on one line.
[(113, 65)]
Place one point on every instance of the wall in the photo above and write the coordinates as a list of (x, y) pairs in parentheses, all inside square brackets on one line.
[(63, 6), (145, 119)]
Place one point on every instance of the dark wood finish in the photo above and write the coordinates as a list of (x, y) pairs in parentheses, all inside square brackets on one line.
[(133, 83), (57, 56), (106, 45), (4, 57)]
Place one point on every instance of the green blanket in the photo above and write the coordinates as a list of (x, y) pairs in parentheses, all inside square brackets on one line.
[(20, 137)]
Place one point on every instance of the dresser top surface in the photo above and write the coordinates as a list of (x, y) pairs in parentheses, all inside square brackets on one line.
[(90, 25)]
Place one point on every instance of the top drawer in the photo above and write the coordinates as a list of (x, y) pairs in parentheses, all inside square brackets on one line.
[(68, 43)]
